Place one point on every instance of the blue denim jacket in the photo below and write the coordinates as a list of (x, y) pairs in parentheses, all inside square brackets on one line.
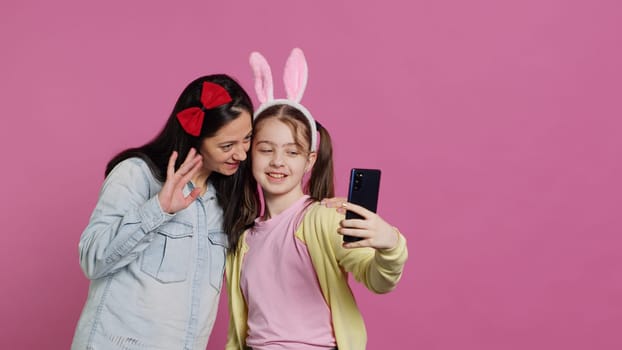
[(155, 277)]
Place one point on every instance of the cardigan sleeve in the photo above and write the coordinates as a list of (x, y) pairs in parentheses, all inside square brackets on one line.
[(238, 312), (379, 270)]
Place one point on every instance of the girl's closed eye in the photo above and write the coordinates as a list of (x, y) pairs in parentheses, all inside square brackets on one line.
[(292, 152)]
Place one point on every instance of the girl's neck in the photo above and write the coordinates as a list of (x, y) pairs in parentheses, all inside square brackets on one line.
[(276, 204)]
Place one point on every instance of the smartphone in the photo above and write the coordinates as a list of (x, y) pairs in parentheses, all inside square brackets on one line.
[(362, 190)]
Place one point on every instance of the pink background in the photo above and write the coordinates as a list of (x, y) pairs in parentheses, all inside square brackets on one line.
[(496, 124)]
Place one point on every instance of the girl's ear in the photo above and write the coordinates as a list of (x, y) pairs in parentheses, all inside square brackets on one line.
[(310, 161), (295, 76), (263, 77)]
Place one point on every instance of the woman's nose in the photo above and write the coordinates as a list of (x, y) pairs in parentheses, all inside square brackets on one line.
[(240, 153)]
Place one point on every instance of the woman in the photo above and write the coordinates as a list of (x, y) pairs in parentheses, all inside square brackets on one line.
[(155, 246)]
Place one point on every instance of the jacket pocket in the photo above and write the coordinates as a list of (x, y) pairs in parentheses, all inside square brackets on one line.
[(167, 259), (218, 249)]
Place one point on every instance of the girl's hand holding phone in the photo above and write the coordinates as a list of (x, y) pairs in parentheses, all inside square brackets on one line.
[(373, 230)]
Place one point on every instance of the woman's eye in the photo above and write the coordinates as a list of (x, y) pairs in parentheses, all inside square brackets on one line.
[(265, 150), (226, 147)]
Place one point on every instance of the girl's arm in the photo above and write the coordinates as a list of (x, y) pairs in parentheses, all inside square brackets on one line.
[(379, 268), (382, 272), (238, 311)]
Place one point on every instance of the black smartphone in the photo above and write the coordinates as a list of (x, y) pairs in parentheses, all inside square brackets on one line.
[(363, 190)]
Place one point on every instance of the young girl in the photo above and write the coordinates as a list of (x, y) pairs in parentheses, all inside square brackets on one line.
[(154, 248), (287, 278)]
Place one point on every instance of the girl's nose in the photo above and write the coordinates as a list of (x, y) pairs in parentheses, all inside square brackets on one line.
[(277, 159)]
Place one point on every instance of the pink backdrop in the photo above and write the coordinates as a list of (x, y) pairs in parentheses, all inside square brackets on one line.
[(496, 123)]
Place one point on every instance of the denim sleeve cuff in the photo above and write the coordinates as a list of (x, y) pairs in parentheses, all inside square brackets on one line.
[(152, 215)]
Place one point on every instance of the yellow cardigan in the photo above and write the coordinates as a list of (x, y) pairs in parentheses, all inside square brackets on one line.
[(379, 270)]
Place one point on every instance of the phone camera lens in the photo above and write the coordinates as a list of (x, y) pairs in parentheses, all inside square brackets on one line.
[(357, 182)]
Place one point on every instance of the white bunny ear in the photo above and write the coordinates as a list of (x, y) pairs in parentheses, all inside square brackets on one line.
[(295, 76), (263, 77)]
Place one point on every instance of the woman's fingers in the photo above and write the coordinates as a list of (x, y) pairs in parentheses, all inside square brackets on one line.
[(170, 169), (192, 169), (187, 170), (188, 163), (192, 196), (171, 196), (334, 202), (189, 159)]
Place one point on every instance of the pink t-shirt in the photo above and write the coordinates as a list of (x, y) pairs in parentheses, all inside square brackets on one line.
[(286, 309)]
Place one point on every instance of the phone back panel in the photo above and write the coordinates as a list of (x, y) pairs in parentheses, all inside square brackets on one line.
[(363, 189)]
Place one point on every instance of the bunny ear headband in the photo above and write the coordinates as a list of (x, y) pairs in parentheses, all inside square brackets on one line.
[(295, 79)]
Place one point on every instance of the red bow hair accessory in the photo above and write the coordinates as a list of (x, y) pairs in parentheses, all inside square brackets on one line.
[(212, 95)]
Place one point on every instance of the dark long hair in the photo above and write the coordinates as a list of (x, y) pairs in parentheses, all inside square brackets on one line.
[(321, 181), (172, 137)]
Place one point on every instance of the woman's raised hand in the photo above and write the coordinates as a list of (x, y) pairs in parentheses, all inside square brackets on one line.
[(171, 195)]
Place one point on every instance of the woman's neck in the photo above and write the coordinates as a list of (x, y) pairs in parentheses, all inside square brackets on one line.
[(200, 180)]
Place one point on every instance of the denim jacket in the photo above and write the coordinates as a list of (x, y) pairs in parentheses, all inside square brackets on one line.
[(155, 277)]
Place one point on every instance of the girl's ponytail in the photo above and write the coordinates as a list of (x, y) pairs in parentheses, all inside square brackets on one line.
[(321, 183)]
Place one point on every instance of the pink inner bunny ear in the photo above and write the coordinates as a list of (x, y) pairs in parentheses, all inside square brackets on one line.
[(296, 74), (263, 77)]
